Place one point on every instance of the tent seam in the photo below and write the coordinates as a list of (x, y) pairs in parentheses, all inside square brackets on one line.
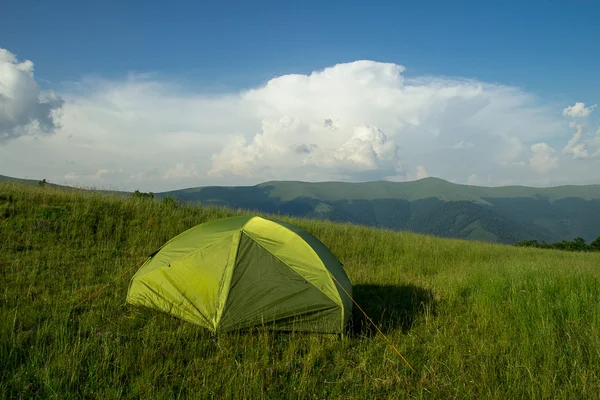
[(222, 280)]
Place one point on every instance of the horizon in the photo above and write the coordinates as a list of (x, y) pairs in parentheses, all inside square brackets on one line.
[(488, 95), (94, 188)]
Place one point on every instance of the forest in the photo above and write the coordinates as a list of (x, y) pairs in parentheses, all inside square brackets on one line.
[(577, 244)]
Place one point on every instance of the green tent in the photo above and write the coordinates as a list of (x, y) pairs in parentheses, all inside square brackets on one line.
[(240, 272)]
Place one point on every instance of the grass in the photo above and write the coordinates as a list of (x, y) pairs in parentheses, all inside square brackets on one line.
[(475, 320)]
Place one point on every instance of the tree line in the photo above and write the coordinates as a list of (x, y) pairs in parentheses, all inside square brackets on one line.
[(577, 244)]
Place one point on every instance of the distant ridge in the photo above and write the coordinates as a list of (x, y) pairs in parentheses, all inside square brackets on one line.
[(505, 214), (411, 190)]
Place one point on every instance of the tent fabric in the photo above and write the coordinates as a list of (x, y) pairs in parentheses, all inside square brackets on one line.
[(240, 272)]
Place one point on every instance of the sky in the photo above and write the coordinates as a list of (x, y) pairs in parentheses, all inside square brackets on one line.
[(159, 96)]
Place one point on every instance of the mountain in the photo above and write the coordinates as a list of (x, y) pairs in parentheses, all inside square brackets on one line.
[(433, 206)]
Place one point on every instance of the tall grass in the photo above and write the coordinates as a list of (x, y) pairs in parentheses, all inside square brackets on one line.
[(475, 320)]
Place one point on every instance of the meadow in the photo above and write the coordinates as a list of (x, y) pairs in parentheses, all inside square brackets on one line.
[(474, 319)]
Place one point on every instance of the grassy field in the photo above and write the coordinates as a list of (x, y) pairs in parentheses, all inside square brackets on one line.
[(475, 320)]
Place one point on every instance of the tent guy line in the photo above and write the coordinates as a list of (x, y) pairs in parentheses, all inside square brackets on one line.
[(376, 327)]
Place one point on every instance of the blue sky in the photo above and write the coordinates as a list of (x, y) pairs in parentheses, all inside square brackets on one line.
[(548, 46), (546, 49)]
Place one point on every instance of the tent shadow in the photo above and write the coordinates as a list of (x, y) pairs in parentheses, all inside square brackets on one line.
[(390, 307)]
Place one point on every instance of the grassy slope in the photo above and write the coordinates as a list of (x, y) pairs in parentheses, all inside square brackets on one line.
[(4, 178), (474, 319)]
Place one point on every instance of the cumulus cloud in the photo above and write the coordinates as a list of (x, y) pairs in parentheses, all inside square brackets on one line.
[(239, 157), (578, 110), (368, 148), (24, 108), (182, 171), (472, 179), (86, 177), (542, 160), (277, 148), (575, 147), (509, 151), (421, 172), (595, 142), (406, 118), (362, 120)]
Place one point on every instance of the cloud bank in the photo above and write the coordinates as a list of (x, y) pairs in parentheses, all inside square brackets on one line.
[(24, 108), (357, 121)]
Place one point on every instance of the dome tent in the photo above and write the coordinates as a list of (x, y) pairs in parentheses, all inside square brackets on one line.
[(239, 272)]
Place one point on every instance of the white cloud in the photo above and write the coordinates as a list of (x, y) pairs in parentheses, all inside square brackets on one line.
[(182, 171), (417, 117), (575, 147), (100, 178), (578, 110), (368, 148), (274, 150), (24, 108), (414, 173), (542, 160), (353, 121), (509, 151), (101, 172), (595, 143), (421, 172), (472, 179)]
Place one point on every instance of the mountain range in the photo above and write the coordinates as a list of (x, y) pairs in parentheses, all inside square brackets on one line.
[(506, 214), (433, 206)]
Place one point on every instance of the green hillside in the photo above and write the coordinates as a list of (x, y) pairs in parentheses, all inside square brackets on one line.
[(474, 319), (418, 190), (433, 206), (411, 191)]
